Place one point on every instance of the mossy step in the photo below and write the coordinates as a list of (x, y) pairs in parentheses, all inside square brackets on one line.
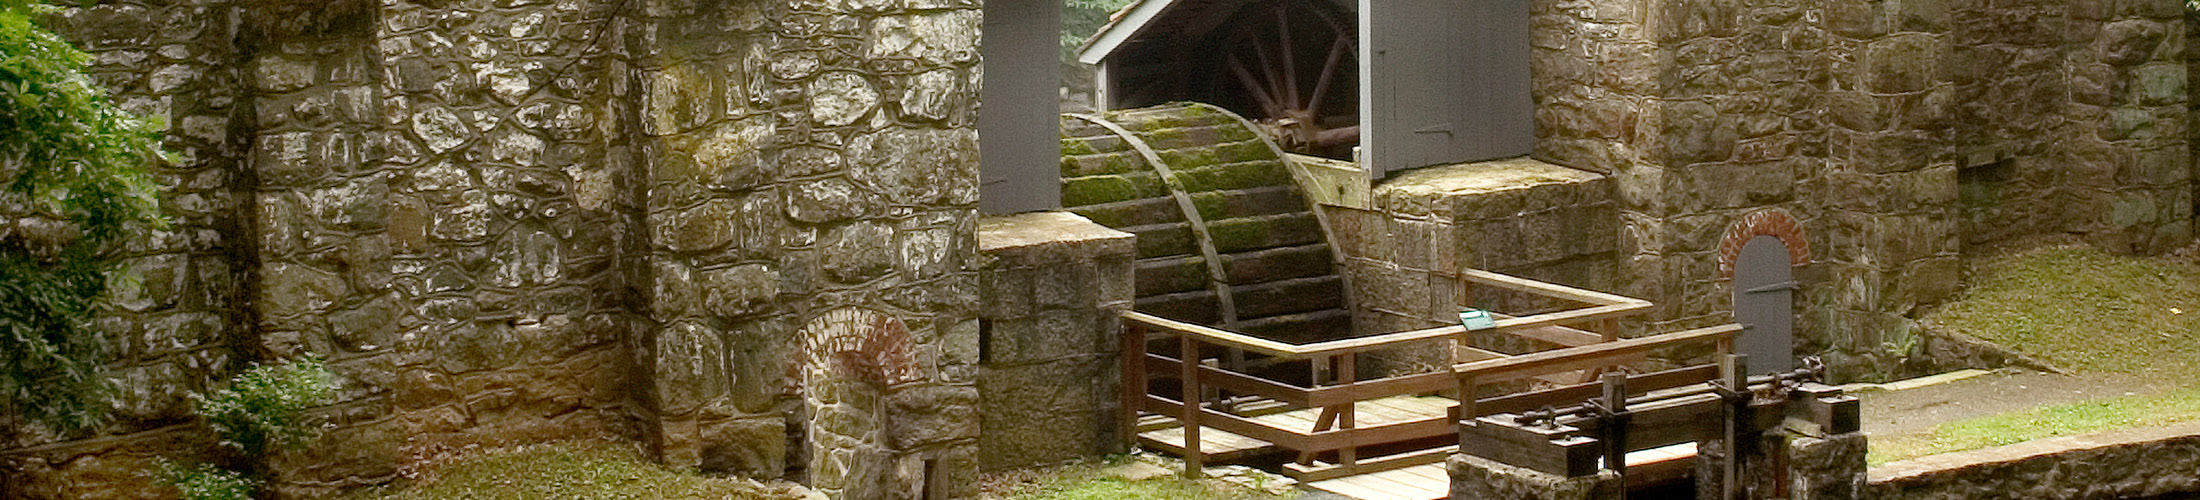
[(1163, 240), (1300, 328), (1278, 263), (1163, 139), (1196, 307), (1172, 274), (1264, 200), (1118, 162), (1167, 116), (1098, 189), (1209, 154), (1225, 176), (1138, 212), (1264, 231), (1290, 296)]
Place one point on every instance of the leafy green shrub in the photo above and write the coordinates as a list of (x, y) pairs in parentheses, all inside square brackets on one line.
[(206, 482), (74, 185), (266, 405)]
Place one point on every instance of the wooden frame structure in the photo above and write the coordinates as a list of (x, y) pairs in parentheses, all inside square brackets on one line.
[(1338, 393)]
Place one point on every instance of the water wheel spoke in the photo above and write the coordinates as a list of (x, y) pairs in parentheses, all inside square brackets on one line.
[(1337, 50), (1290, 64), (1252, 86)]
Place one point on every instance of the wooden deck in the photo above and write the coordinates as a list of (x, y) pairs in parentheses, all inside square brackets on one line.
[(1432, 482), (1162, 433)]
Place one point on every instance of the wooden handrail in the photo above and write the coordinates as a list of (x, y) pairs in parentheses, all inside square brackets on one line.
[(1552, 290), (1285, 350), (1594, 352)]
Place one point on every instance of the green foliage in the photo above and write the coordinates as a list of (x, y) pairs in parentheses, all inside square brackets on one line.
[(72, 160), (265, 406), (1083, 18), (2085, 309), (206, 482), (569, 471), (2043, 422)]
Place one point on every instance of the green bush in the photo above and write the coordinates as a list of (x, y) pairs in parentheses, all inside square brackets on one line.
[(266, 405), (206, 482), (74, 185)]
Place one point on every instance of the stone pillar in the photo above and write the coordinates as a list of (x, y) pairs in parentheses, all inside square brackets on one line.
[(1048, 340), (1827, 467), (1785, 463), (1477, 478)]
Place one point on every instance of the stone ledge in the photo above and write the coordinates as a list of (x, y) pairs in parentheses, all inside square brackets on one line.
[(1417, 191), (2125, 463), (1037, 232)]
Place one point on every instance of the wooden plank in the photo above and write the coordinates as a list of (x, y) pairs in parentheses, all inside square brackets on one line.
[(1519, 284), (1462, 354), (1382, 387), (1324, 471), (1357, 488), (1133, 386), (1527, 363), (1234, 381), (1233, 423), (1555, 450), (1215, 336), (1636, 385)]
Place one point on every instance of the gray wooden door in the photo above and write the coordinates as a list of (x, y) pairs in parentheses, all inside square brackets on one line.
[(1764, 303), (1443, 81), (1019, 135)]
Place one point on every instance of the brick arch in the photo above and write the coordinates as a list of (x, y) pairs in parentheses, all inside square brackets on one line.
[(854, 343), (1771, 222)]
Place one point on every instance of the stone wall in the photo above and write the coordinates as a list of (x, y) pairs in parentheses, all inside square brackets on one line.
[(2130, 463), (178, 328), (1051, 293), (1897, 132), (513, 221), (1520, 216)]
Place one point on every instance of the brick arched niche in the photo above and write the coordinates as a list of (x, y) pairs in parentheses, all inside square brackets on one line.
[(852, 360), (1773, 222)]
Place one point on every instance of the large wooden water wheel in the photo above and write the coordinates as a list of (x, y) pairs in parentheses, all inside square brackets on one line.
[(1294, 59)]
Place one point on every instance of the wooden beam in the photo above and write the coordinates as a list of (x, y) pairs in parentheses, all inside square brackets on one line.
[(1553, 290), (1307, 473), (1600, 351), (1226, 379), (1636, 384)]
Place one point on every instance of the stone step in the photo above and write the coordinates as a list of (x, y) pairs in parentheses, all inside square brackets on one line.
[(1164, 240), (1272, 264), (1246, 234), (1300, 328), (1166, 275), (1192, 307), (1297, 295)]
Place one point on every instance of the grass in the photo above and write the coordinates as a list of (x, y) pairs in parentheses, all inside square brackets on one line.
[(2085, 310), (567, 471), (1097, 480), (2043, 422)]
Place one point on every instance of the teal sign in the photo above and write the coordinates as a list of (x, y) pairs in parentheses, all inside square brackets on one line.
[(1477, 319)]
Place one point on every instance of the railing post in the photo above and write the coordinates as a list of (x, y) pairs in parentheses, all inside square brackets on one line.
[(1134, 382), (1188, 363), (1347, 373)]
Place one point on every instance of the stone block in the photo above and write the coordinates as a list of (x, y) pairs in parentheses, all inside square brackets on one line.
[(930, 414), (1687, 132), (1903, 63), (1477, 477), (750, 447)]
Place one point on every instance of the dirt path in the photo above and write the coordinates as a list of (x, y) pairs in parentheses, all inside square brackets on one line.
[(1916, 410)]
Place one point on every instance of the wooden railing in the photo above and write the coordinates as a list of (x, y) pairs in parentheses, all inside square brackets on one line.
[(1336, 390)]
